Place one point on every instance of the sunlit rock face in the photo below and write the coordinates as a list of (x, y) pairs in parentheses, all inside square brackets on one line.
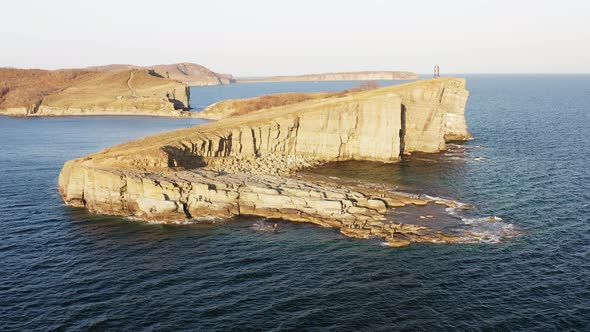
[(245, 164)]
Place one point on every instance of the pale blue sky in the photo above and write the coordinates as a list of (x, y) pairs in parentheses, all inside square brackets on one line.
[(265, 37)]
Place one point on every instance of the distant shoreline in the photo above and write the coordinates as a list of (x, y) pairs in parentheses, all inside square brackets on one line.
[(339, 76)]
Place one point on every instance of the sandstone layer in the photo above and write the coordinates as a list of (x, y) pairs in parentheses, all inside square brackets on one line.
[(244, 165), (80, 92), (433, 110), (342, 76)]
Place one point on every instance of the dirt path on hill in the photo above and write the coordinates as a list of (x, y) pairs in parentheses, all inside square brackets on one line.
[(131, 88)]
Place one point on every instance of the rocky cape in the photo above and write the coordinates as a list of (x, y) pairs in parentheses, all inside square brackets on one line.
[(82, 92), (246, 165), (341, 76)]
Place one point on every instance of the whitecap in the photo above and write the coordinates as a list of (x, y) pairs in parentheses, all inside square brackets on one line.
[(262, 226), (451, 211)]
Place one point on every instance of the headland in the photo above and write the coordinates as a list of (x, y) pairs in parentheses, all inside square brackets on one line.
[(247, 164)]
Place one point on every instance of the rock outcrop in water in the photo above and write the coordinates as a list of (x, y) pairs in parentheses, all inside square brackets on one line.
[(342, 76), (81, 92), (244, 165)]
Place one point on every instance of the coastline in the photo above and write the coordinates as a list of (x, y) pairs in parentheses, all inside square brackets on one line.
[(246, 80), (170, 114), (335, 77)]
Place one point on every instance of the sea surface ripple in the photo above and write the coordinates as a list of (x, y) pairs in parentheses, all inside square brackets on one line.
[(64, 269)]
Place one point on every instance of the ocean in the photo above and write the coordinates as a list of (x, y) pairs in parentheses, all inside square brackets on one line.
[(63, 269)]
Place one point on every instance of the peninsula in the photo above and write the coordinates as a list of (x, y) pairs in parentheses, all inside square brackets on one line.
[(33, 92), (247, 164), (342, 76)]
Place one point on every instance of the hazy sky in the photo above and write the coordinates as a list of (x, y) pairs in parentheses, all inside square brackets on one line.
[(265, 37)]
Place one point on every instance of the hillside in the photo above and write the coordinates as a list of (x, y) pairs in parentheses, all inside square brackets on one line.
[(233, 107), (27, 87), (83, 92), (188, 73)]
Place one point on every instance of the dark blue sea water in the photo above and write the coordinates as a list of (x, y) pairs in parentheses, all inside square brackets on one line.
[(64, 269)]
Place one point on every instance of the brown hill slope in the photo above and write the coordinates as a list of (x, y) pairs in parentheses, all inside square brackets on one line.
[(234, 107), (188, 73), (83, 92), (24, 88)]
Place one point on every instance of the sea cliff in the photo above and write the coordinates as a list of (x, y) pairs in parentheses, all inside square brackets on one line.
[(246, 164), (433, 112)]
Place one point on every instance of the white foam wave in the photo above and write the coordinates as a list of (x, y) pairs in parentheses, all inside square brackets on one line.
[(488, 229), (451, 211), (197, 220), (488, 219), (262, 226)]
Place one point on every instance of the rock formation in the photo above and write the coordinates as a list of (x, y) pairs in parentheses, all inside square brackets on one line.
[(343, 76), (81, 92), (245, 164), (433, 113)]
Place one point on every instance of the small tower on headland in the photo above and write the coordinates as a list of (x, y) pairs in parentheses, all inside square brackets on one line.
[(436, 71)]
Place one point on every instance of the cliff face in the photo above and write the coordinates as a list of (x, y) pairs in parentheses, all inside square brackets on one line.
[(244, 164), (433, 111), (344, 76), (187, 73), (129, 92)]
